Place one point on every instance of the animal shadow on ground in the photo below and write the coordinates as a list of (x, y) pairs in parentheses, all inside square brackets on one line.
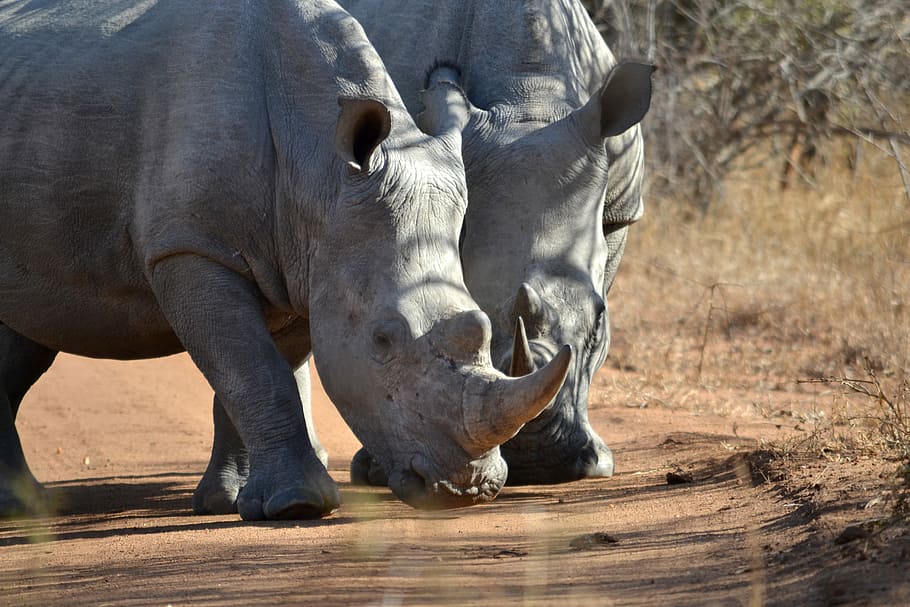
[(103, 507), (153, 495)]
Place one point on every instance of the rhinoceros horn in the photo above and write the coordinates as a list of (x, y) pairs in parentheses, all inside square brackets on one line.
[(522, 360), (446, 108), (496, 407), (531, 308)]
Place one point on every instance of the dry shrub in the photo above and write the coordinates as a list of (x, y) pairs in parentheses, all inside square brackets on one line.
[(738, 75), (882, 430), (772, 289), (776, 242), (776, 284)]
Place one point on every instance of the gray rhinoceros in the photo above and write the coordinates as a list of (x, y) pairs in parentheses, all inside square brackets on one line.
[(178, 176), (553, 154)]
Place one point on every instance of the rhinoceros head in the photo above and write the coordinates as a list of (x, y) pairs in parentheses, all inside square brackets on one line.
[(538, 260), (401, 347)]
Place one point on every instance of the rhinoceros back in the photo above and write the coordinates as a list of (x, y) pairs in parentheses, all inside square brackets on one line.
[(130, 131), (101, 126)]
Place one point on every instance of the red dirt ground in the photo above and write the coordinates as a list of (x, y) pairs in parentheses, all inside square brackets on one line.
[(122, 445)]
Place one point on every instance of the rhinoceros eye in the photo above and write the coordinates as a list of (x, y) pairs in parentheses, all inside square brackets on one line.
[(386, 339), (382, 340)]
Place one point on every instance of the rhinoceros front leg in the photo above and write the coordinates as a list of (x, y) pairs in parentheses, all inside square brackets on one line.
[(229, 465), (228, 469), (218, 316), (22, 362)]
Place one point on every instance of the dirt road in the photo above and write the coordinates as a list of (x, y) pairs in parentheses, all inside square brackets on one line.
[(121, 446)]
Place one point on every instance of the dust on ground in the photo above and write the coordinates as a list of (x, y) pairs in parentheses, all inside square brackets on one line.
[(700, 512)]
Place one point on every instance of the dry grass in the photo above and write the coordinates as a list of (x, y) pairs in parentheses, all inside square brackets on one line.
[(884, 430), (770, 288), (769, 284)]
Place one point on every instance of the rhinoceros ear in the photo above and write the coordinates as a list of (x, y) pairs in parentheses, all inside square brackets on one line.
[(363, 125), (622, 102)]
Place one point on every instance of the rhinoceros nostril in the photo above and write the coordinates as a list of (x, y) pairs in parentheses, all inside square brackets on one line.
[(411, 488)]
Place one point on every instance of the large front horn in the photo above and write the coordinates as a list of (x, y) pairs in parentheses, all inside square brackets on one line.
[(522, 360), (496, 407)]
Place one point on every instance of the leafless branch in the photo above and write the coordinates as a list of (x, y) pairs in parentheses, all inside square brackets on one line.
[(737, 74)]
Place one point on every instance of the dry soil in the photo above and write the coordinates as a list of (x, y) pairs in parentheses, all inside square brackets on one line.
[(697, 514)]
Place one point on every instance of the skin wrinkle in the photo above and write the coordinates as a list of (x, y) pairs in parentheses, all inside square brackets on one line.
[(420, 243), (235, 240), (409, 446), (426, 216), (552, 216), (416, 211)]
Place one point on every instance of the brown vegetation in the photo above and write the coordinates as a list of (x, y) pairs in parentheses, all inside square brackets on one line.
[(777, 233), (765, 81)]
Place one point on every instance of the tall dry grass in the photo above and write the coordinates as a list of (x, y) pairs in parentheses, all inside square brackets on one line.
[(768, 285), (740, 306)]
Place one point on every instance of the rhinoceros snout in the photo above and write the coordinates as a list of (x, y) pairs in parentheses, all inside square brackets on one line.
[(595, 460), (541, 460), (414, 487)]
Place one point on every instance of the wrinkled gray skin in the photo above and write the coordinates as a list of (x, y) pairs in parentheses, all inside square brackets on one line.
[(242, 181), (541, 176)]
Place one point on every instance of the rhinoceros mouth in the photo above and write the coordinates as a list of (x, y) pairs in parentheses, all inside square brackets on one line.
[(418, 486), (477, 493)]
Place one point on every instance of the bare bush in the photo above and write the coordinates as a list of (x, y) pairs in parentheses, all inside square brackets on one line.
[(758, 81), (892, 420)]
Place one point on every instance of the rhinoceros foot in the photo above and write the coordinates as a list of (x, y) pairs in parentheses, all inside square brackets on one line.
[(365, 470), (321, 454), (217, 494), (538, 460), (22, 496), (280, 489), (225, 475), (229, 465)]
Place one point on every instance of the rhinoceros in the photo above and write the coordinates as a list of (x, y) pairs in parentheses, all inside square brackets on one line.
[(553, 154), (242, 181)]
